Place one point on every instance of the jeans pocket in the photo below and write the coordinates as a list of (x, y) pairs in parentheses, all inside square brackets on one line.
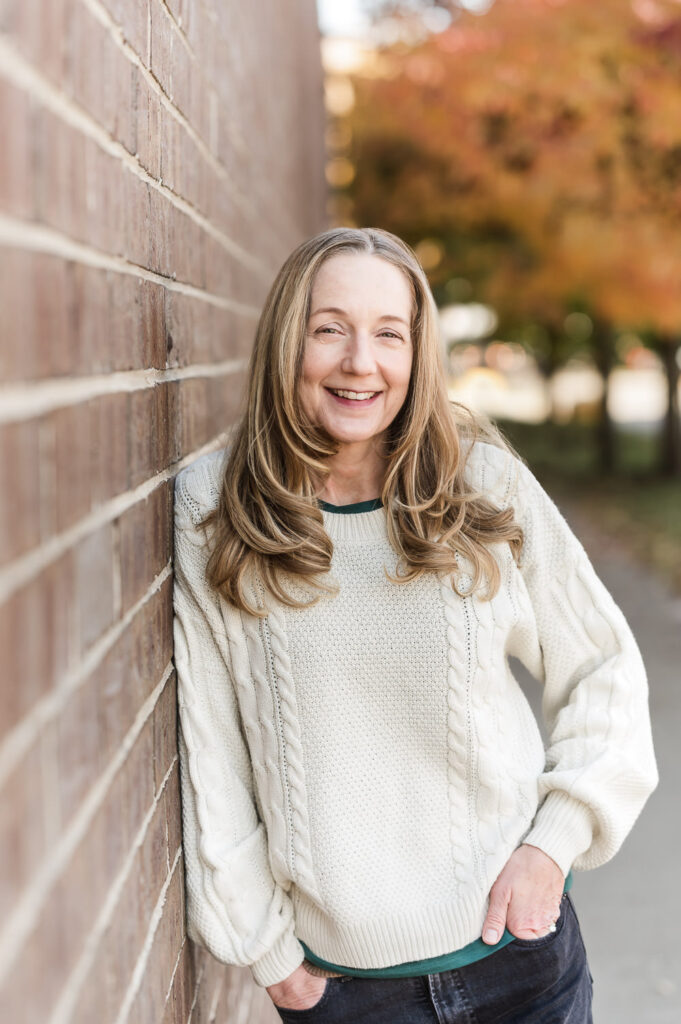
[(550, 937)]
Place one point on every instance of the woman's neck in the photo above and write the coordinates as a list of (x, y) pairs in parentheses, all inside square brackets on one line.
[(353, 478)]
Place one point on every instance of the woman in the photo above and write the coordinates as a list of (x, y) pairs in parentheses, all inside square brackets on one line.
[(371, 821)]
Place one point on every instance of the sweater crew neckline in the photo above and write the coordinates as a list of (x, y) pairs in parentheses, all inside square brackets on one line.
[(365, 524)]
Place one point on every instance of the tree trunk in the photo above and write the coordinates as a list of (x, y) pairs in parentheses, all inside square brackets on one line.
[(604, 354), (671, 435)]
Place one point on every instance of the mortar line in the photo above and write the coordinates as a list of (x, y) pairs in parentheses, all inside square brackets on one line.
[(27, 567), (138, 972), (67, 999), (19, 739), (199, 979), (116, 32), (23, 234), (172, 976), (24, 400), (21, 73), (177, 23), (19, 924)]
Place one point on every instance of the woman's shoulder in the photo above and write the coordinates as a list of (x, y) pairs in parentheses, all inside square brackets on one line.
[(492, 469), (197, 487)]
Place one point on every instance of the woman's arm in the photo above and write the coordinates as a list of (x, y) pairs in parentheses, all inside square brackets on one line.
[(235, 908), (600, 765)]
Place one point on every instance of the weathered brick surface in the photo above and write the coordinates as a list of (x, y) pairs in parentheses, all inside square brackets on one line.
[(160, 159)]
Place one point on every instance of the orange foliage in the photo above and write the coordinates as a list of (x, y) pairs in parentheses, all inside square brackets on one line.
[(541, 143)]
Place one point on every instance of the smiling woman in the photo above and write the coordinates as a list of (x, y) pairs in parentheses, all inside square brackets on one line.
[(371, 821), (357, 366)]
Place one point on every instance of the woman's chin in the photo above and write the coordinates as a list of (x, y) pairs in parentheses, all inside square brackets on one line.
[(353, 435)]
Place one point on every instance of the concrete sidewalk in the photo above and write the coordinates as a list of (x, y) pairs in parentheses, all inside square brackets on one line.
[(630, 909)]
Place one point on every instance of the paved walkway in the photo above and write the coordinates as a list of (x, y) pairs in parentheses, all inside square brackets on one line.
[(630, 909)]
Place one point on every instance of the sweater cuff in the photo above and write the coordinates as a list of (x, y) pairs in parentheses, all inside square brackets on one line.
[(279, 962), (562, 828)]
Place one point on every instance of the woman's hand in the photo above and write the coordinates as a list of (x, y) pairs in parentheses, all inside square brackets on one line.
[(525, 897), (300, 991)]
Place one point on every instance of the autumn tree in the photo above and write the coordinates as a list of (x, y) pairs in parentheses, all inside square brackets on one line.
[(540, 146)]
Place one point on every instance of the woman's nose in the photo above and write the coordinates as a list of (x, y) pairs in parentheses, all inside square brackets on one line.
[(359, 356)]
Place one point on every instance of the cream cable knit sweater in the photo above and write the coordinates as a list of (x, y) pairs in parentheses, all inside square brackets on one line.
[(357, 774)]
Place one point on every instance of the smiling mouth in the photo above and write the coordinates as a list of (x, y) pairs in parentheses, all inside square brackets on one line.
[(353, 396)]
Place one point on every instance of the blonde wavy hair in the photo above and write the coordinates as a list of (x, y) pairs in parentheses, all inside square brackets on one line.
[(267, 520)]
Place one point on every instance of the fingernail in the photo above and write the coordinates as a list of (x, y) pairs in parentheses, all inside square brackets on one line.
[(491, 936)]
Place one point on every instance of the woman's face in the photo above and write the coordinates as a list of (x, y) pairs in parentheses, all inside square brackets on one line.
[(358, 347)]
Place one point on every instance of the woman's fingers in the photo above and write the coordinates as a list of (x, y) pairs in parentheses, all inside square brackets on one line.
[(525, 897), (495, 921)]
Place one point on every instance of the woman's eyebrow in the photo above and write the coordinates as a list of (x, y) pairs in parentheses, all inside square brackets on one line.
[(336, 309)]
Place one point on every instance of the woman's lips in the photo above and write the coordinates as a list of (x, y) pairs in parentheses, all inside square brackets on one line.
[(360, 403)]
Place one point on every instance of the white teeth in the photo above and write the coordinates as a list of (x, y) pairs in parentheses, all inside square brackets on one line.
[(358, 396)]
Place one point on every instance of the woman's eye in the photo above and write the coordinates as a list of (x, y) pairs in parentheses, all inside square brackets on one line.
[(323, 329), (391, 334)]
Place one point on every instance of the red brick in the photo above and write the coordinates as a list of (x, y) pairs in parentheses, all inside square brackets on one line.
[(80, 757), (184, 984), (147, 108), (37, 303), (20, 487), (39, 33), (144, 543), (108, 701), (160, 258), (153, 326), (22, 834), (131, 16), (16, 191), (162, 46), (90, 326), (165, 731), (122, 943), (137, 222), (91, 77), (108, 448), (147, 431), (93, 560), (125, 310), (58, 166), (78, 188), (70, 909), (151, 660), (73, 454), (151, 999), (41, 612), (172, 811)]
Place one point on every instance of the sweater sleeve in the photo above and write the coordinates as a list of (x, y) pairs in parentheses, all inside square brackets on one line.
[(600, 765), (235, 908)]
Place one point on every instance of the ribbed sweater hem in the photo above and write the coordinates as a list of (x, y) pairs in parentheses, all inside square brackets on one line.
[(417, 935)]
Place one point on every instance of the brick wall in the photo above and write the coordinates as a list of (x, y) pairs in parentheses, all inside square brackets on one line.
[(159, 160)]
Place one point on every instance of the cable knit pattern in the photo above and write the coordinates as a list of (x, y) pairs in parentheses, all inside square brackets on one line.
[(459, 737), (301, 866), (355, 774)]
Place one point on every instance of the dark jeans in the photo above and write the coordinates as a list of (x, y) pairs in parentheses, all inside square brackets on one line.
[(529, 981)]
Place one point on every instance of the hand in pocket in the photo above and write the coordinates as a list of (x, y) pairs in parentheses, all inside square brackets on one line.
[(300, 991)]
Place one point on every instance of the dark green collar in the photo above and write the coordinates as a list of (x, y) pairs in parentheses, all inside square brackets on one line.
[(358, 506)]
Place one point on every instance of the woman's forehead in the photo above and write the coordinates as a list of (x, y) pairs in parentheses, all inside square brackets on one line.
[(362, 279)]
